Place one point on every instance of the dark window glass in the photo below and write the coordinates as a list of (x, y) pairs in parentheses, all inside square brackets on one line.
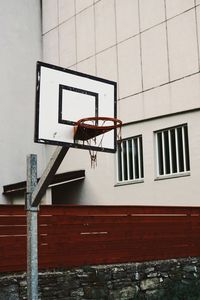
[(130, 153), (180, 149), (160, 153), (125, 161), (173, 151), (167, 159)]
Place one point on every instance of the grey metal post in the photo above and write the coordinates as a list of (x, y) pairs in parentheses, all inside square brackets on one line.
[(32, 230), (34, 194)]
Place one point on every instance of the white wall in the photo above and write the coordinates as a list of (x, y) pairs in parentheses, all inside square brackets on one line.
[(20, 48), (178, 190)]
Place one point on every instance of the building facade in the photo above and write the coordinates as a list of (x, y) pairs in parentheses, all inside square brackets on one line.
[(20, 48), (152, 50)]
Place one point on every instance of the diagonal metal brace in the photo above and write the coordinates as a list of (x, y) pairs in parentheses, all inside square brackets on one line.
[(48, 175)]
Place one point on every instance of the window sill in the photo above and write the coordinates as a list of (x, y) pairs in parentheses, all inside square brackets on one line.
[(128, 182), (178, 175)]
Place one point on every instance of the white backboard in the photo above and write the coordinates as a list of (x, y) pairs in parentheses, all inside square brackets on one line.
[(63, 97)]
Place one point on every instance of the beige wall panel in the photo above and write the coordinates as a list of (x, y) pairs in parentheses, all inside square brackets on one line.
[(50, 15), (107, 64), (80, 4), (176, 7), (185, 93), (198, 28), (129, 63), (87, 66), (127, 15), (157, 102), (183, 51), (131, 108), (85, 34), (67, 40), (50, 47), (152, 12), (66, 9), (154, 57), (105, 24)]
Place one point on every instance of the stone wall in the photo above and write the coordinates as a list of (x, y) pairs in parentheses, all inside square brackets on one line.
[(169, 279)]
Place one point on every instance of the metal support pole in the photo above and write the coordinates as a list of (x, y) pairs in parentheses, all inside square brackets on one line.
[(34, 195), (32, 230)]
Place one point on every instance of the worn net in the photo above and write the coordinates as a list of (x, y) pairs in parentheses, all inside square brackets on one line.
[(88, 129)]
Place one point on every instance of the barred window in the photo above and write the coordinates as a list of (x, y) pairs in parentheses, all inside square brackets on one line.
[(130, 159), (172, 151)]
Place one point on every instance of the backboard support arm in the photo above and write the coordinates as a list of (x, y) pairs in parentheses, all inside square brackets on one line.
[(48, 175)]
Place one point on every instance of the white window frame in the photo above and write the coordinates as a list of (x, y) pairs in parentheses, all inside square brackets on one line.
[(172, 152), (130, 162)]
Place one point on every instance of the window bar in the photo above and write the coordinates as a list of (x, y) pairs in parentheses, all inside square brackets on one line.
[(183, 141), (139, 157), (170, 152), (163, 152), (157, 159), (122, 160), (128, 162), (177, 150), (186, 148), (133, 158)]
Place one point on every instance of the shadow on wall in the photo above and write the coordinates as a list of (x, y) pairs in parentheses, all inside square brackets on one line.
[(16, 198), (69, 193)]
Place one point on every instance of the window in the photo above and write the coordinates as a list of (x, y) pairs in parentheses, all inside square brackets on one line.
[(130, 160), (172, 151)]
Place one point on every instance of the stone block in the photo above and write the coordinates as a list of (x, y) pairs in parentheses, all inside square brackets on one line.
[(156, 294), (123, 294), (120, 283), (149, 284), (149, 270), (96, 293), (10, 292), (190, 268), (118, 273), (77, 293), (103, 276)]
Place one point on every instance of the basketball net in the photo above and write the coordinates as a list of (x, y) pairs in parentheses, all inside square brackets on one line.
[(88, 129), (93, 153)]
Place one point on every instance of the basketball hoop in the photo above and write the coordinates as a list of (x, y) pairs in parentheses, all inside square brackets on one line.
[(87, 129)]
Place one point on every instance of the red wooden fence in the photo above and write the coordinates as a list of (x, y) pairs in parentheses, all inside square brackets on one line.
[(83, 235)]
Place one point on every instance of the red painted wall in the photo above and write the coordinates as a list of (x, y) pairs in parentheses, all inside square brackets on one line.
[(85, 235)]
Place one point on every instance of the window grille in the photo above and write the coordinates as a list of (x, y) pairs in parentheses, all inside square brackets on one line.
[(130, 159), (172, 151)]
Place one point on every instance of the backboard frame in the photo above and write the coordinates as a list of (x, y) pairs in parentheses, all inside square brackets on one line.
[(65, 87)]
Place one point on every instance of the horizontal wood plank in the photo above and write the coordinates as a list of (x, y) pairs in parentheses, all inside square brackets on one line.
[(77, 235)]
